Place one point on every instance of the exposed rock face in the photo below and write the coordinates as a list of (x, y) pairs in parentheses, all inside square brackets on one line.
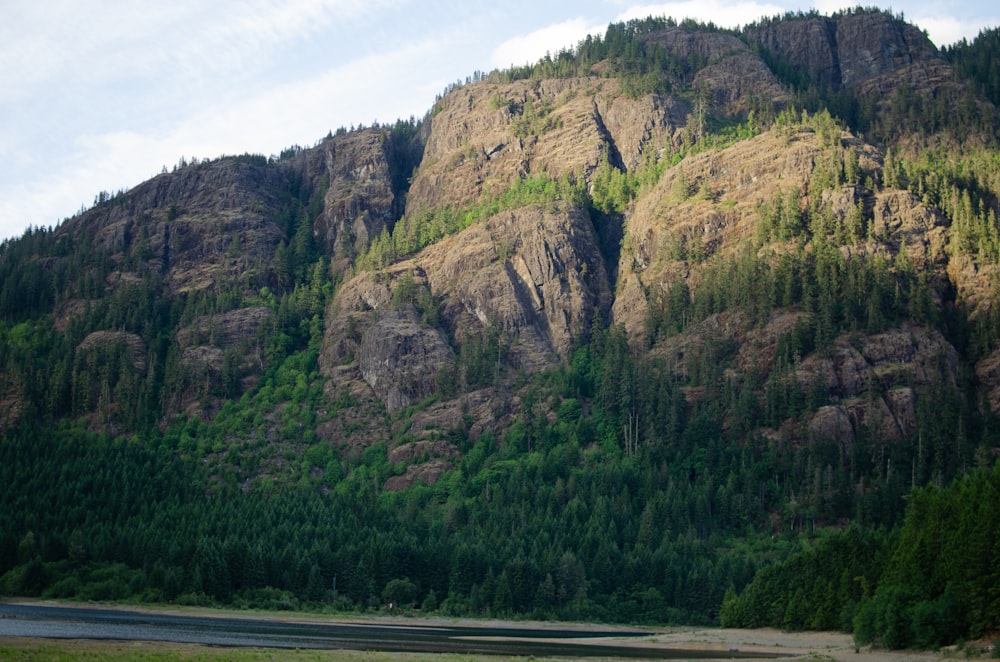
[(203, 359), (897, 363), (10, 407), (847, 51), (633, 125), (871, 54), (195, 226), (988, 374), (533, 274), (813, 41), (425, 462), (204, 342), (759, 348), (426, 473), (401, 358), (706, 204), (834, 424), (225, 329), (902, 402), (360, 202), (221, 222), (732, 75), (873, 382), (873, 45), (909, 225), (891, 418), (348, 317), (485, 136), (67, 311), (421, 450), (909, 356), (475, 412)]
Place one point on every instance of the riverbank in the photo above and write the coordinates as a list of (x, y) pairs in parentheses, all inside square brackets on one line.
[(747, 644)]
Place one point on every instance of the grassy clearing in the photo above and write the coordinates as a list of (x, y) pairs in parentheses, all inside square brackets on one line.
[(74, 650)]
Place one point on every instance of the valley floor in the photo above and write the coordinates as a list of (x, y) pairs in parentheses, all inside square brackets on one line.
[(767, 642)]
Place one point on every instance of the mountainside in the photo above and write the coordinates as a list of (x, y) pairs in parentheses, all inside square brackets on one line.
[(596, 338)]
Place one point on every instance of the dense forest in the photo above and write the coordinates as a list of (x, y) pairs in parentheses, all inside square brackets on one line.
[(631, 481)]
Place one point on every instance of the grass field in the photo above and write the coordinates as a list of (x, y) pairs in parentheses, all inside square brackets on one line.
[(75, 650)]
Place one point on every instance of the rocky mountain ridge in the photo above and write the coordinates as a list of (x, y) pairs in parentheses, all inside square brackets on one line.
[(857, 51), (449, 286)]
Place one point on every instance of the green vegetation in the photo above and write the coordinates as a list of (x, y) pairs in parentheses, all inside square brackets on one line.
[(818, 587), (559, 518), (929, 584), (410, 234), (978, 62)]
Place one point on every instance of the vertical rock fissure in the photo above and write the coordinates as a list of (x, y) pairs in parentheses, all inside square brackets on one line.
[(831, 36), (609, 228), (614, 156)]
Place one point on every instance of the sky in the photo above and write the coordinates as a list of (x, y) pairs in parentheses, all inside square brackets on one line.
[(100, 95)]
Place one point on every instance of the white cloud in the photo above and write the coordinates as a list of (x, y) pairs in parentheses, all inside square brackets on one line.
[(947, 29), (99, 95), (378, 87), (363, 90), (529, 48), (943, 30), (186, 43), (829, 7), (720, 12)]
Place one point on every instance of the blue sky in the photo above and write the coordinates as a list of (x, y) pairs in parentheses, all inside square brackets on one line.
[(101, 94)]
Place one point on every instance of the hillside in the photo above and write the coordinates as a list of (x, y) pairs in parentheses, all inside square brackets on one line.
[(606, 337)]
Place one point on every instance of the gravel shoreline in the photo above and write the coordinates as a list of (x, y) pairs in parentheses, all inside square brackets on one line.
[(812, 645)]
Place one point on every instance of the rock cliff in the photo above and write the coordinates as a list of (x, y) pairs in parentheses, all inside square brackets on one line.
[(855, 50), (486, 136), (441, 336), (533, 277), (731, 75), (203, 224), (361, 199)]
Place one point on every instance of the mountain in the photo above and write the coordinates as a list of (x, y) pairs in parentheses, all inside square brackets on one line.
[(603, 337)]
